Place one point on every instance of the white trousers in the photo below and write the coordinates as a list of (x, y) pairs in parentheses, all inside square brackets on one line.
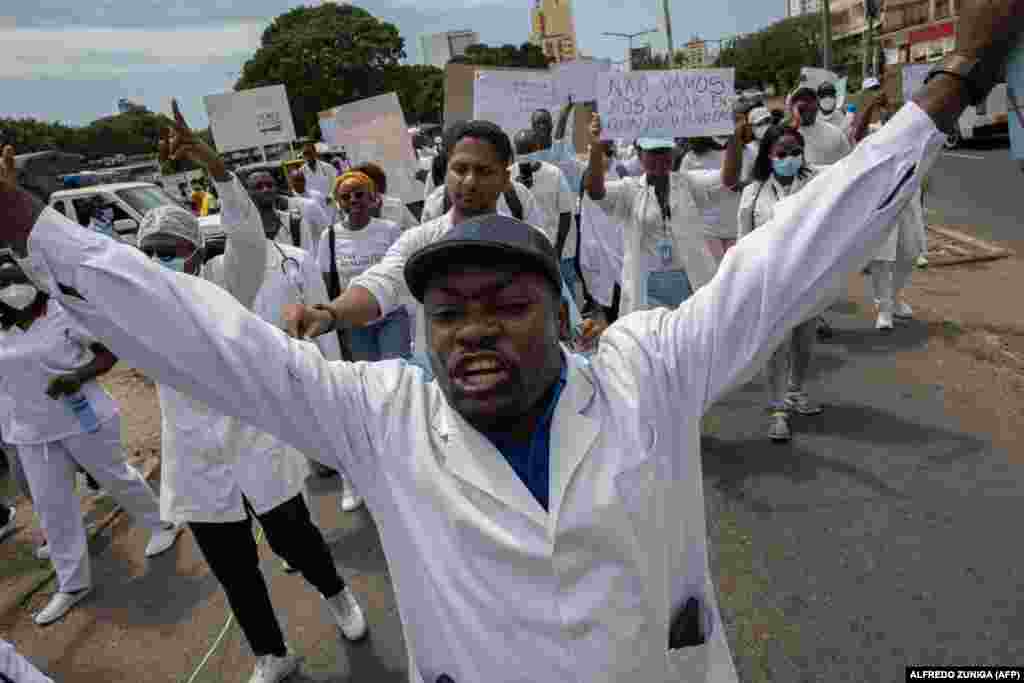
[(888, 278), (50, 469)]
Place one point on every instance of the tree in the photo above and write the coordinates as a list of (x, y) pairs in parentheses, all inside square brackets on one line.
[(132, 133), (775, 54), (420, 90), (526, 56), (325, 56)]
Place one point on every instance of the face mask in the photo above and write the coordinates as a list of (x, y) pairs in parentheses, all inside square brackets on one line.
[(760, 130), (827, 104), (807, 118), (530, 158), (19, 297), (175, 263), (788, 167)]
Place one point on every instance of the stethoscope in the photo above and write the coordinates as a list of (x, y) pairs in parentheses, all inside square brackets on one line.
[(292, 271)]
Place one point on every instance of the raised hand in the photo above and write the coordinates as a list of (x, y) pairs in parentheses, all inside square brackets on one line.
[(179, 142), (595, 127)]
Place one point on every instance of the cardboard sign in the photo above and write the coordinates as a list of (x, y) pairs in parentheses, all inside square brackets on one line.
[(250, 118), (374, 130), (577, 80), (666, 104), (509, 98)]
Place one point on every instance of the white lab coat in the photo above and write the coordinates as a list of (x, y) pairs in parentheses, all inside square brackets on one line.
[(757, 204), (320, 178), (490, 587), (907, 237), (394, 210), (600, 249), (824, 144), (307, 233), (551, 190), (209, 460), (632, 203), (720, 211)]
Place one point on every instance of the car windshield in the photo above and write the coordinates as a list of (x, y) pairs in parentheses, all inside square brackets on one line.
[(142, 199)]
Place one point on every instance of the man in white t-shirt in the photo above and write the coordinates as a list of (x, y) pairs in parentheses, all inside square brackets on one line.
[(555, 197), (320, 176), (524, 206)]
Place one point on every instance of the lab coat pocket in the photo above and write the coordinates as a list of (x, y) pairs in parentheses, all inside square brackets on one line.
[(690, 664)]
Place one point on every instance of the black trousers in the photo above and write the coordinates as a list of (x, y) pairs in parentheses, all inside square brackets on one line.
[(230, 550)]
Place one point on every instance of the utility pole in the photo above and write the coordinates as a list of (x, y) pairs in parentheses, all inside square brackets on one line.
[(871, 12), (668, 29), (826, 38), (630, 37)]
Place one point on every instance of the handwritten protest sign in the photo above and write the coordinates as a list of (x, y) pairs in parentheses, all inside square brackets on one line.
[(509, 98), (250, 118), (681, 103), (374, 130), (578, 79)]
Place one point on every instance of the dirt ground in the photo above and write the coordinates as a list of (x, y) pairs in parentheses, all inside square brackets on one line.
[(975, 349)]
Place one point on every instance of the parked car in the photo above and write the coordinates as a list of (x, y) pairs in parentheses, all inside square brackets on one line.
[(988, 119), (130, 202)]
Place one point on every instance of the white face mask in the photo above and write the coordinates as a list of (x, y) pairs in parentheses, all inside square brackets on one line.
[(827, 104), (19, 297)]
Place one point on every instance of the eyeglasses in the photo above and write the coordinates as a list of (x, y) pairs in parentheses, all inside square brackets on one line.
[(795, 152)]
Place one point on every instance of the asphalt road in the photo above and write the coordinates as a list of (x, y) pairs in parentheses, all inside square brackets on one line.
[(980, 187)]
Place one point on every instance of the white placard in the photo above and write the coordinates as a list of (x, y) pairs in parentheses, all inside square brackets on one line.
[(374, 130), (578, 79), (509, 98), (250, 118), (913, 79), (666, 104)]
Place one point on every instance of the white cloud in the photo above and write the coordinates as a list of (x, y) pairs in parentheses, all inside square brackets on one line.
[(110, 52)]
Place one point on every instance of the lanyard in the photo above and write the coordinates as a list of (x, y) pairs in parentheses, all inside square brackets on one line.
[(291, 270)]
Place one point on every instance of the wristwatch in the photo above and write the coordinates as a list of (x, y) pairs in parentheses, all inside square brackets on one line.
[(976, 77)]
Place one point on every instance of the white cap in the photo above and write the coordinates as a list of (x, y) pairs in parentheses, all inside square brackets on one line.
[(171, 220), (759, 115), (870, 82)]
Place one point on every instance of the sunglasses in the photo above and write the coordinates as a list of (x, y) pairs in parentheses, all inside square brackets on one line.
[(795, 152), (355, 194)]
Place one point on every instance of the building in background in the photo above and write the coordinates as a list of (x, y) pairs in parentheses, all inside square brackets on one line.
[(694, 55), (437, 48), (794, 8), (553, 29), (918, 30), (126, 106)]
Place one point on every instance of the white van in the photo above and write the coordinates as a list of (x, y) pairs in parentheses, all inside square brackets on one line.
[(989, 119)]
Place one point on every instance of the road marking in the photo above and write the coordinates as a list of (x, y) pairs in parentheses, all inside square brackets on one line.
[(963, 156)]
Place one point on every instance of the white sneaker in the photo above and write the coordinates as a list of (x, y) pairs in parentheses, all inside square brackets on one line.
[(884, 322), (161, 541), (922, 261), (778, 428), (350, 500), (348, 614), (59, 605), (903, 310), (271, 669), (8, 528)]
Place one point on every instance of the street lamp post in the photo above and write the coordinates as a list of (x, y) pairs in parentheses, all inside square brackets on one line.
[(630, 37), (826, 25)]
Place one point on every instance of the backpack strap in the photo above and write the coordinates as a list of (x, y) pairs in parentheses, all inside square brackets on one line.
[(294, 225), (334, 291)]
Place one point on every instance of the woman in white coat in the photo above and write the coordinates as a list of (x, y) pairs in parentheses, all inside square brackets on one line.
[(219, 472), (780, 172), (665, 256), (61, 420)]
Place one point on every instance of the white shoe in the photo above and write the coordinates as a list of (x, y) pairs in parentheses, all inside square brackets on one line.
[(8, 528), (161, 541), (348, 614), (884, 322), (59, 605), (903, 310), (350, 500), (922, 261), (271, 669)]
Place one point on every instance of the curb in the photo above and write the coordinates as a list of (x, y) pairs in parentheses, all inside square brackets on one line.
[(986, 251)]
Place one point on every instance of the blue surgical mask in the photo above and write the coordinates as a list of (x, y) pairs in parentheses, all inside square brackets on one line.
[(175, 263), (788, 167)]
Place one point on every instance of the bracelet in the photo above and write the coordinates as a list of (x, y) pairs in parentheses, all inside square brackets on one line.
[(334, 318)]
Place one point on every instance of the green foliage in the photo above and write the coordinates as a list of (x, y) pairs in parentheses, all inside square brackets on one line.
[(325, 56), (420, 89), (133, 133), (526, 56), (775, 55)]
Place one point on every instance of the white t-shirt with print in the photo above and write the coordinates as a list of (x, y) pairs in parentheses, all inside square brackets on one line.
[(355, 251)]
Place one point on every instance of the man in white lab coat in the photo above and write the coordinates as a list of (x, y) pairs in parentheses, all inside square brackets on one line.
[(316, 212), (542, 516), (320, 175)]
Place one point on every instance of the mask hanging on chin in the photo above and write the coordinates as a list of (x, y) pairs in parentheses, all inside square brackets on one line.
[(788, 167), (19, 296)]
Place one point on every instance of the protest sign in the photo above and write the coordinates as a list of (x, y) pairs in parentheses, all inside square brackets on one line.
[(509, 98), (668, 104), (913, 79), (327, 125), (250, 118), (577, 80), (374, 130)]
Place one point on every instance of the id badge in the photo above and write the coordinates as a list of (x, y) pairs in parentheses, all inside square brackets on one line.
[(664, 251)]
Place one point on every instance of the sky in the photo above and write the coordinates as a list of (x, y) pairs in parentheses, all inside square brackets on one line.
[(70, 61)]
